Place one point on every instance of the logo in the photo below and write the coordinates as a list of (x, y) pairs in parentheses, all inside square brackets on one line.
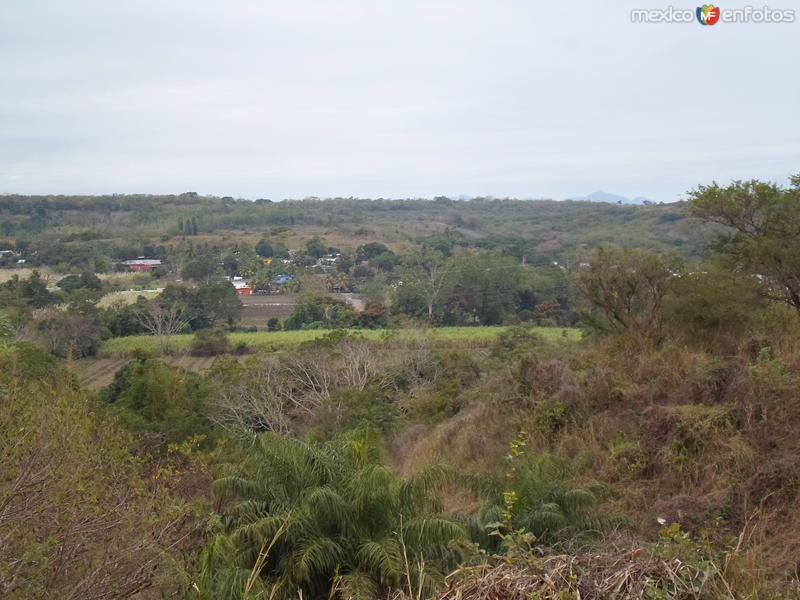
[(708, 14)]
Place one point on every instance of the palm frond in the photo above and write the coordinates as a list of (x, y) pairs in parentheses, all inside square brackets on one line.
[(235, 486), (432, 532), (315, 558), (381, 557)]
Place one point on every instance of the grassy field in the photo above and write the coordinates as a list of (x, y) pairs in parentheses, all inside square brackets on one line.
[(286, 339)]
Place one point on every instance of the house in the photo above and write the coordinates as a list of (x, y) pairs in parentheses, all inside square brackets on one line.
[(142, 264), (242, 287), (283, 278)]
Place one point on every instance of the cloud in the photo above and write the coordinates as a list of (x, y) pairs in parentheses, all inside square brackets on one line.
[(274, 99)]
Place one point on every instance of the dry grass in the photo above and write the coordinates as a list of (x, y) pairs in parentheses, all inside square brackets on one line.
[(46, 273), (621, 570), (629, 574), (125, 297)]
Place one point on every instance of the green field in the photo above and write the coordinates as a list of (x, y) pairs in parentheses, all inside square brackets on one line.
[(286, 339)]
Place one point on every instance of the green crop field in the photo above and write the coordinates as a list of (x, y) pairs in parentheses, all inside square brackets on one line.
[(278, 340)]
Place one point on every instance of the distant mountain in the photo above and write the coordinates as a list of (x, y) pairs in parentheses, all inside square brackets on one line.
[(601, 196)]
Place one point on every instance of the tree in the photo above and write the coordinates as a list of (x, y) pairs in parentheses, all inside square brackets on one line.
[(264, 248), (230, 265), (67, 332), (85, 280), (540, 495), (763, 231), (370, 251), (315, 247), (163, 322), (199, 269), (486, 287), (204, 306), (31, 292), (427, 274), (625, 289), (320, 311), (250, 397)]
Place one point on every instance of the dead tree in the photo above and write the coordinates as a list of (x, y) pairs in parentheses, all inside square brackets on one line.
[(162, 322)]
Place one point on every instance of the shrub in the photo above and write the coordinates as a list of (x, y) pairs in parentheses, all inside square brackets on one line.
[(210, 342), (320, 311), (166, 402), (82, 515), (63, 333), (317, 519), (540, 496)]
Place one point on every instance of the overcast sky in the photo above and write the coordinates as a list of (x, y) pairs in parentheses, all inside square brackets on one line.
[(405, 98)]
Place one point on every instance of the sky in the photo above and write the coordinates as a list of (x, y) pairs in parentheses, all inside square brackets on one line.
[(377, 98)]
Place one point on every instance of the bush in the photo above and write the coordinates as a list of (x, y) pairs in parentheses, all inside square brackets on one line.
[(83, 517), (153, 397), (64, 333), (210, 342), (274, 324), (335, 520), (326, 311)]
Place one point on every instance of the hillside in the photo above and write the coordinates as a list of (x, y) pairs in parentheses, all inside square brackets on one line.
[(529, 400), (537, 229)]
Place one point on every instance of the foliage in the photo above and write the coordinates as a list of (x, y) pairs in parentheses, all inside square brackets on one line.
[(85, 280), (625, 290), (367, 252), (80, 516), (713, 305), (26, 293), (486, 287), (313, 311), (424, 277), (264, 248), (541, 497), (204, 306), (163, 402), (763, 230), (331, 515), (67, 333), (210, 342)]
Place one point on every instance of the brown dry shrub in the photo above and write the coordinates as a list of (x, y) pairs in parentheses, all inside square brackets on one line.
[(614, 572)]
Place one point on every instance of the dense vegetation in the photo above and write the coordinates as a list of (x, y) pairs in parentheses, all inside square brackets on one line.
[(373, 453)]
